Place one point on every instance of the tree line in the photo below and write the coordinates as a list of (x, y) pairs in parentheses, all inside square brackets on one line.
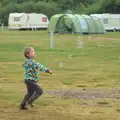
[(51, 7)]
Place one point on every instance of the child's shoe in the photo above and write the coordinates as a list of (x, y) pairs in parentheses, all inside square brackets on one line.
[(23, 107), (31, 105)]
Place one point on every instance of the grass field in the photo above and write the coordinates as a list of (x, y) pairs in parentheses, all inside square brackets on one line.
[(95, 66)]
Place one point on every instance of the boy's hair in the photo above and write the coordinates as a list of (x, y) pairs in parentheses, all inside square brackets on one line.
[(27, 50)]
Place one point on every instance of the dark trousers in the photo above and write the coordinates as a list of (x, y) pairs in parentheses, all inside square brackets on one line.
[(34, 91)]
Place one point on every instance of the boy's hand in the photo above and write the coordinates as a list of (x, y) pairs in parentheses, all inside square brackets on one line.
[(50, 71)]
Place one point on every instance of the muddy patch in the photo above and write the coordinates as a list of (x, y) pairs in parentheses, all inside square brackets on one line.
[(85, 93)]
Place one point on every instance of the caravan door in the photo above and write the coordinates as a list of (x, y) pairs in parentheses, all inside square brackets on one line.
[(14, 21)]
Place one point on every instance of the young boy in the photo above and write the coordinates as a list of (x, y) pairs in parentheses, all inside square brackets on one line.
[(32, 69)]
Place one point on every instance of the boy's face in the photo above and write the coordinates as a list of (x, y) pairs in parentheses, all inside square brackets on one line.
[(31, 54)]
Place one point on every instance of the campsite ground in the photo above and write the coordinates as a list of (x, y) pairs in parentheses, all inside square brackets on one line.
[(85, 81)]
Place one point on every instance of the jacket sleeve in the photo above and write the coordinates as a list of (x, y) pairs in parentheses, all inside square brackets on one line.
[(40, 67)]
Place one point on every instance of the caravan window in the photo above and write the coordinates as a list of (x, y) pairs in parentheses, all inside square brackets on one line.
[(16, 18), (105, 21), (44, 19)]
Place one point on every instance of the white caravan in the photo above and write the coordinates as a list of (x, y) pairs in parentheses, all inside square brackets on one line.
[(111, 22), (32, 21)]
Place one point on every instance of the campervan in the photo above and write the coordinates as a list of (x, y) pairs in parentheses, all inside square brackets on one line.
[(111, 22), (31, 21)]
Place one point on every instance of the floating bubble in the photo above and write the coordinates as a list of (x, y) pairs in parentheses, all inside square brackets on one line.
[(60, 64), (70, 56), (89, 38), (79, 42)]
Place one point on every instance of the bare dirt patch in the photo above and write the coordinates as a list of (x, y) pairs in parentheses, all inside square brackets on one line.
[(85, 93)]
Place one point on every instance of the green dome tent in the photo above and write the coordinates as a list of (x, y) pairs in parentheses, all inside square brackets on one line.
[(65, 23), (53, 22), (91, 24), (78, 24), (83, 24), (99, 27)]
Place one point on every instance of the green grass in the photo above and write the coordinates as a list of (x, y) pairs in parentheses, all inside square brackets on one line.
[(97, 65)]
